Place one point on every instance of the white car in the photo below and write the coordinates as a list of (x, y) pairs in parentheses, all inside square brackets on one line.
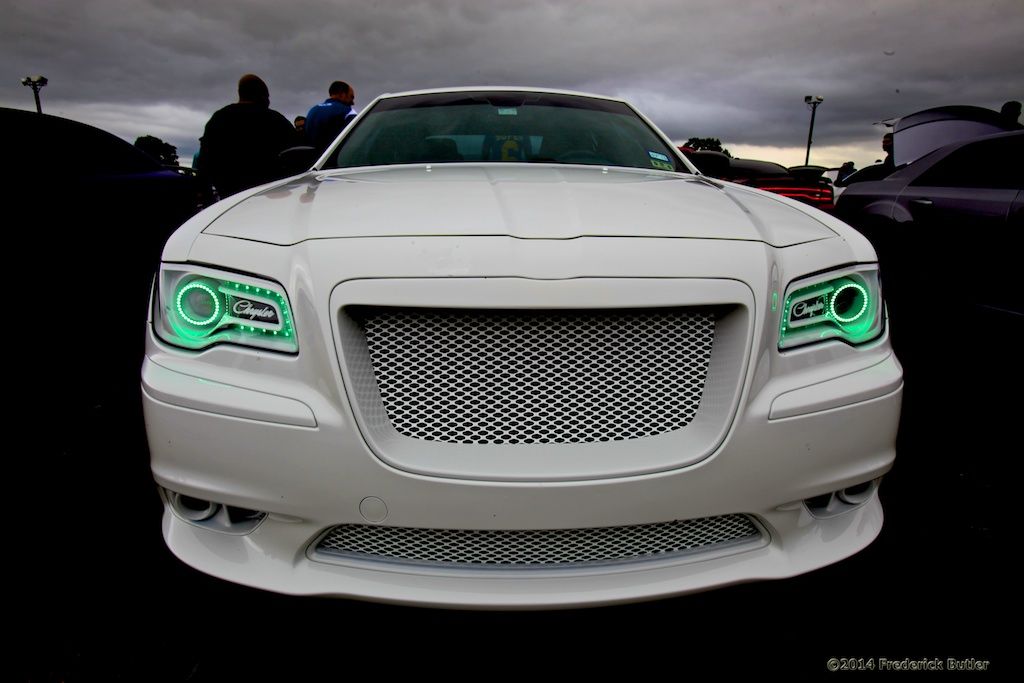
[(505, 348)]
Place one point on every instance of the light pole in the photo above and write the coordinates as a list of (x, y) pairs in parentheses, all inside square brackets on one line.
[(35, 82), (813, 101)]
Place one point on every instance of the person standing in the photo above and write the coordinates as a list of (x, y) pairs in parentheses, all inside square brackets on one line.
[(887, 163), (1009, 115), (241, 141), (325, 120)]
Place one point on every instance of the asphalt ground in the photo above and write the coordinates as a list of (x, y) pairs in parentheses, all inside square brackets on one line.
[(93, 593)]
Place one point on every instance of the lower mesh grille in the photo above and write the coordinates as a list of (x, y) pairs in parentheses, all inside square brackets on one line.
[(536, 548), (537, 377)]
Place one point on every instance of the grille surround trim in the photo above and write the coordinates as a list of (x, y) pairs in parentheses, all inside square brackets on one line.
[(735, 533), (548, 462)]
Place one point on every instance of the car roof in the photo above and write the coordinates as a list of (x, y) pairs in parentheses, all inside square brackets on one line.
[(495, 88), (994, 136), (923, 132), (957, 144), (37, 141), (909, 171)]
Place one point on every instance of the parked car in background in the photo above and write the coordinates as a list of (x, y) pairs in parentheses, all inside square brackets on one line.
[(961, 206), (872, 172), (804, 186), (100, 169), (917, 134), (87, 216), (505, 348), (807, 172), (75, 172), (95, 212)]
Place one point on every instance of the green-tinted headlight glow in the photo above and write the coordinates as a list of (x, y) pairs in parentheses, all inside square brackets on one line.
[(846, 308), (851, 298), (197, 298), (204, 307)]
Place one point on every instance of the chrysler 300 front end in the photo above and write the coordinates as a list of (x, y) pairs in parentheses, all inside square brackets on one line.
[(504, 348)]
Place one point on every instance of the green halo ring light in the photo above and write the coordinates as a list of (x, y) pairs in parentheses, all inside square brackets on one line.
[(209, 291), (860, 293)]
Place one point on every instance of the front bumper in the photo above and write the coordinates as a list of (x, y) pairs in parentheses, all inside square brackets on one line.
[(273, 558), (295, 452)]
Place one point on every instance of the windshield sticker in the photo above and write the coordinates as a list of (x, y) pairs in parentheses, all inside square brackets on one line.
[(663, 165), (508, 111), (656, 155)]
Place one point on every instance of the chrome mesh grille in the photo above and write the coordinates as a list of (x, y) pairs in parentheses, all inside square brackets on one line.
[(525, 377), (536, 548)]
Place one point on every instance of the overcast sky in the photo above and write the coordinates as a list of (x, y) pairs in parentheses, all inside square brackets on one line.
[(733, 69)]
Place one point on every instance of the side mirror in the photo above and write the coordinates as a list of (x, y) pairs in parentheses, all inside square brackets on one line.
[(295, 160)]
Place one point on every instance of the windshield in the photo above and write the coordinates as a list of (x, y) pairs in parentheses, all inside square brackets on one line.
[(503, 127)]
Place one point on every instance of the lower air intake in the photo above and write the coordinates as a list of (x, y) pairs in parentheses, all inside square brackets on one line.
[(514, 549)]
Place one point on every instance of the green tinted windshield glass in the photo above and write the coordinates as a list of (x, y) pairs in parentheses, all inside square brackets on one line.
[(503, 127)]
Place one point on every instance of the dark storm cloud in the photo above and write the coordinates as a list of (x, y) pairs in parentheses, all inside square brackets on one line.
[(734, 70)]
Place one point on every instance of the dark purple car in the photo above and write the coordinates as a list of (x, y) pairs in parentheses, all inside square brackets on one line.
[(92, 194), (93, 213), (948, 227)]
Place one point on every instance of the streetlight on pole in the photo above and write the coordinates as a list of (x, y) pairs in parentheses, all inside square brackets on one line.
[(35, 82), (812, 101)]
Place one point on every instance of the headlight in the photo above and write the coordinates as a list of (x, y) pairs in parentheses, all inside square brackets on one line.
[(198, 307), (844, 305)]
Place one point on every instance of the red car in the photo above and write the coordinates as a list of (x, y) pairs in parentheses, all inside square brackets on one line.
[(765, 175)]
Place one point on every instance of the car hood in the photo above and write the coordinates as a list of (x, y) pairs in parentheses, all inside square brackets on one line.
[(527, 202)]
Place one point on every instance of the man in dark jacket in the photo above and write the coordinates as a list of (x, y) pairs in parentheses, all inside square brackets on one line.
[(241, 142), (325, 120)]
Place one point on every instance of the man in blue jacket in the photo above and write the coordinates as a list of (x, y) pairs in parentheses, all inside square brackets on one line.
[(324, 121)]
